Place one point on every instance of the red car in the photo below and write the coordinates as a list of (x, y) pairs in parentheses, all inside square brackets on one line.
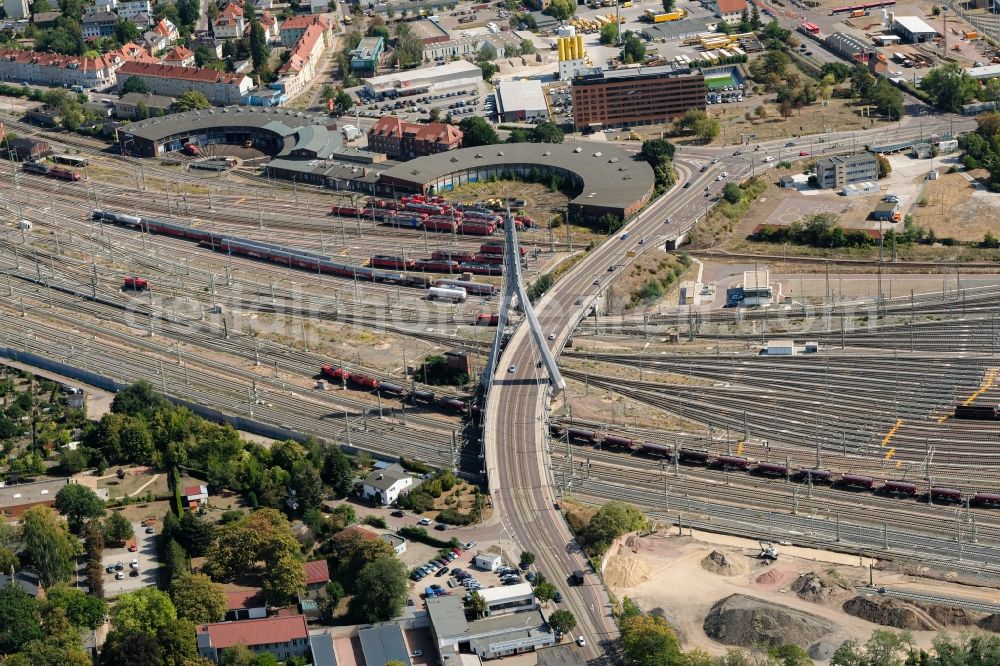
[(803, 153)]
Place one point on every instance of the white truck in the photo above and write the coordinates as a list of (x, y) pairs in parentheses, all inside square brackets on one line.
[(350, 132)]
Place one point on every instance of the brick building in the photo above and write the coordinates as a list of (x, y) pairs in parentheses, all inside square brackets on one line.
[(402, 140), (220, 88), (18, 498), (640, 96)]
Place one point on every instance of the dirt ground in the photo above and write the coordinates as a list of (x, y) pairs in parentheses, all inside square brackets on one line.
[(667, 572), (837, 115), (958, 206)]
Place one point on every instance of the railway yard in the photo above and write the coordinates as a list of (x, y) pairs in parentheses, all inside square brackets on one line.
[(311, 312)]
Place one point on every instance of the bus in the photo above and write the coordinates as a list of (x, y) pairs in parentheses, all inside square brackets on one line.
[(810, 28), (70, 160)]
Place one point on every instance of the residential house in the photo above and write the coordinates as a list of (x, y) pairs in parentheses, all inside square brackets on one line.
[(179, 56), (195, 496), (98, 24), (220, 88), (300, 68), (26, 579), (154, 41), (403, 140), (18, 498), (317, 574), (283, 636), (293, 28), (143, 20), (129, 9), (132, 52), (136, 106), (167, 30), (730, 11), (46, 19), (398, 543), (103, 6), (54, 69), (16, 9), (245, 605), (230, 24), (384, 486), (209, 42), (269, 25)]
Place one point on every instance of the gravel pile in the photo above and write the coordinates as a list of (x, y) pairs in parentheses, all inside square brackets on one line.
[(746, 622)]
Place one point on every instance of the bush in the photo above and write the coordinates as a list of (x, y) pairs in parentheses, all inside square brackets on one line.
[(376, 521)]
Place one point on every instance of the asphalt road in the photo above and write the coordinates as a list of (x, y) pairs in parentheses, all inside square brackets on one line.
[(515, 438)]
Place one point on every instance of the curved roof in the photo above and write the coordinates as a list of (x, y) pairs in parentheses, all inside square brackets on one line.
[(301, 131), (611, 175)]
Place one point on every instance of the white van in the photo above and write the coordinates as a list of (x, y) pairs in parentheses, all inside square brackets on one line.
[(24, 225)]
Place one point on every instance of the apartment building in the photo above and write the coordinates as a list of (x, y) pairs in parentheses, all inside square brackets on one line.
[(220, 88)]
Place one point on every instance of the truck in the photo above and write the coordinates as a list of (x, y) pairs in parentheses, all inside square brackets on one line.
[(663, 17), (857, 12)]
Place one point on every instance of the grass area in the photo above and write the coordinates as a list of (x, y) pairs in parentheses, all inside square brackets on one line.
[(577, 514), (651, 277), (717, 82), (723, 217)]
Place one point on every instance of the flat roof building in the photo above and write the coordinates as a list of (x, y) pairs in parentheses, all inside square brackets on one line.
[(913, 29), (756, 288), (639, 96), (18, 498), (840, 170), (458, 74), (365, 56), (521, 100), (508, 598), (384, 643), (490, 637)]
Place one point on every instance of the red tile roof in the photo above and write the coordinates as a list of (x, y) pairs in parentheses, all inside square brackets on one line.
[(302, 50), (433, 132), (133, 51), (317, 572), (256, 632), (305, 21), (731, 6), (231, 10), (192, 490), (201, 74), (244, 599), (57, 60), (354, 529), (179, 54)]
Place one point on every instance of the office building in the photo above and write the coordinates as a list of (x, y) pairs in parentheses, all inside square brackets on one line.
[(365, 56), (840, 170), (640, 96), (404, 141), (521, 100)]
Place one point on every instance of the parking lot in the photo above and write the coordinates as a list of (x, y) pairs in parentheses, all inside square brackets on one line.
[(459, 104), (144, 574)]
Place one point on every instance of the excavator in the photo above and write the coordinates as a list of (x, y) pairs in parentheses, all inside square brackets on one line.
[(767, 551)]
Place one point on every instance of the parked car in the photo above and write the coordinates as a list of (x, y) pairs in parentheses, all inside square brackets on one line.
[(557, 597), (397, 514), (441, 527), (470, 545), (424, 521)]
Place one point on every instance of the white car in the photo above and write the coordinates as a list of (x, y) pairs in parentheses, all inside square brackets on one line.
[(424, 521), (512, 368), (768, 158), (552, 336), (581, 641), (725, 174), (417, 653), (720, 177), (120, 575), (134, 564)]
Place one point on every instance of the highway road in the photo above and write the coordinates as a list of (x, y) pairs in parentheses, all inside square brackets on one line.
[(515, 436)]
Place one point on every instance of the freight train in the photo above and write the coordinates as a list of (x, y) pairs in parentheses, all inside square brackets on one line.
[(703, 457), (343, 376), (52, 172), (440, 262), (978, 412), (432, 214)]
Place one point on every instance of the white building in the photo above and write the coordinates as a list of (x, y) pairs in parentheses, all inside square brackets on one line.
[(490, 637), (16, 9), (488, 561), (58, 70), (384, 486), (912, 29), (220, 88), (398, 543), (103, 6), (509, 599), (132, 8), (730, 11), (780, 348), (757, 288), (521, 100), (449, 76)]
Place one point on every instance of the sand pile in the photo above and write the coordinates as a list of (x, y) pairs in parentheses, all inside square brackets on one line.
[(812, 587), (722, 563), (770, 577), (746, 621), (625, 571), (890, 613)]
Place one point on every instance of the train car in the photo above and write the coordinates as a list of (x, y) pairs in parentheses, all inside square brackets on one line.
[(392, 389), (654, 449), (453, 255), (732, 462), (814, 476), (133, 283), (978, 412), (404, 220), (494, 259), (338, 373), (192, 149), (453, 404), (946, 494), (480, 214), (436, 265), (453, 294), (857, 481), (986, 500), (35, 167), (421, 396), (900, 488), (699, 456), (478, 229), (440, 224), (429, 209), (364, 380), (487, 319), (117, 218), (771, 469), (348, 211), (497, 247), (70, 160), (581, 435), (478, 288), (63, 173), (387, 261), (481, 269), (617, 441)]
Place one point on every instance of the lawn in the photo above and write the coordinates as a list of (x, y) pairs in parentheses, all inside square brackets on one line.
[(717, 82)]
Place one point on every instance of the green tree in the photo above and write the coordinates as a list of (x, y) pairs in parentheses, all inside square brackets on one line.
[(194, 534), (884, 166), (131, 648), (654, 151), (342, 103), (668, 5), (950, 87), (41, 7), (647, 640), (72, 461), (134, 84), (197, 598), (409, 49), (732, 193), (49, 545), (191, 100), (755, 21), (486, 52), (264, 536), (177, 640), (381, 590), (139, 399), (633, 49), (285, 580), (82, 610), (489, 69), (147, 610), (77, 503), (238, 655), (337, 471), (790, 655), (609, 33), (562, 621), (477, 132), (8, 560), (527, 559), (117, 529), (547, 132), (990, 241), (561, 9), (610, 522), (545, 591), (19, 619), (889, 99), (707, 128), (477, 603), (125, 31), (259, 50)]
